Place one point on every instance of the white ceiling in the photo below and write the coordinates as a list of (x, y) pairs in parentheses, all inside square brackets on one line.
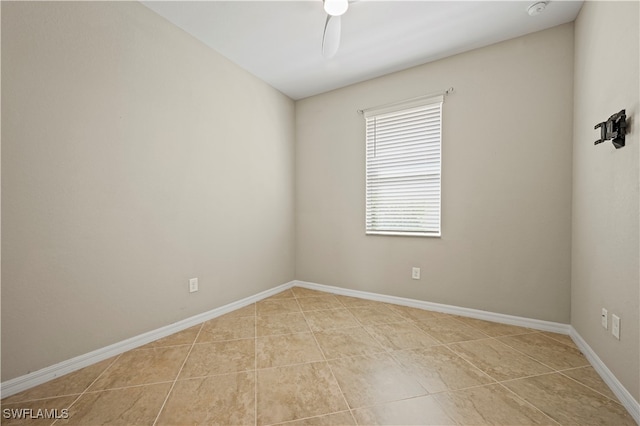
[(280, 41)]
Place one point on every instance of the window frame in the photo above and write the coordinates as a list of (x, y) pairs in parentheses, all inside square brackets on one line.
[(429, 187)]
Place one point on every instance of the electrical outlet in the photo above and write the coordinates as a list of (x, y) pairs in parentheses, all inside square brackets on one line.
[(615, 326), (415, 273), (193, 285), (604, 319)]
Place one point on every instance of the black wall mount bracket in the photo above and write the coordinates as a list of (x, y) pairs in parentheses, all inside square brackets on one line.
[(613, 129)]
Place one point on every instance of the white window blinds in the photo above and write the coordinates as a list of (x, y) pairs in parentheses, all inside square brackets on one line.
[(403, 168)]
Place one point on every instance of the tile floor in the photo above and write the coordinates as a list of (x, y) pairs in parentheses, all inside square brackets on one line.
[(306, 357)]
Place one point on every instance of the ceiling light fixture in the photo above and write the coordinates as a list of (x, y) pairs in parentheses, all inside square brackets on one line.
[(336, 7), (537, 8)]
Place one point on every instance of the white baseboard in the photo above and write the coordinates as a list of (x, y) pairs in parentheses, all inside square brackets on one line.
[(628, 401), (535, 324), (22, 383)]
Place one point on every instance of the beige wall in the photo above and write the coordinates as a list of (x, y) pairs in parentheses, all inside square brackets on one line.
[(606, 215), (506, 183), (133, 158)]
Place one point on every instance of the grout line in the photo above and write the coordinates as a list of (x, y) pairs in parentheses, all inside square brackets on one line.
[(440, 342), (463, 318), (386, 350), (571, 345), (588, 387), (307, 418), (335, 379), (519, 333), (279, 334), (166, 398), (485, 372), (527, 355), (553, 370), (158, 347), (320, 310), (91, 384), (531, 404), (515, 334), (66, 395), (219, 341), (86, 390), (130, 387), (575, 368), (302, 363), (459, 321), (548, 373), (380, 323), (432, 395), (483, 385), (334, 328), (472, 365)]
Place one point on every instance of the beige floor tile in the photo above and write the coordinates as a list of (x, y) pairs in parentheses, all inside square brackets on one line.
[(143, 366), (287, 294), (319, 303), (548, 351), (439, 369), (184, 337), (349, 301), (332, 319), (450, 330), (269, 325), (498, 360), (385, 368), (423, 410), (223, 328), (70, 384), (400, 335), (342, 418), (18, 413), (589, 377), (489, 405), (374, 379), (344, 342), (563, 338), (277, 351), (301, 292), (569, 402), (297, 392), (494, 329), (413, 314), (247, 311), (277, 306), (137, 405), (207, 359), (368, 315), (223, 400)]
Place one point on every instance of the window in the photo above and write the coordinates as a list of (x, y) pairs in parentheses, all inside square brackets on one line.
[(403, 168)]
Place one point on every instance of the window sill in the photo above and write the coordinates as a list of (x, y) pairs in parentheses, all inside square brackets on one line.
[(405, 234)]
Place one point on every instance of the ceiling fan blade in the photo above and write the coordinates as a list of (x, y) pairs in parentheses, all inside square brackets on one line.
[(331, 36)]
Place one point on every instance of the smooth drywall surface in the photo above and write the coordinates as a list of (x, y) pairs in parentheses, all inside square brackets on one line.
[(506, 183), (133, 159), (606, 210)]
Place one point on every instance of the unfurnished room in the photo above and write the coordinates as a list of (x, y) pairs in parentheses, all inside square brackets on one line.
[(320, 212)]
